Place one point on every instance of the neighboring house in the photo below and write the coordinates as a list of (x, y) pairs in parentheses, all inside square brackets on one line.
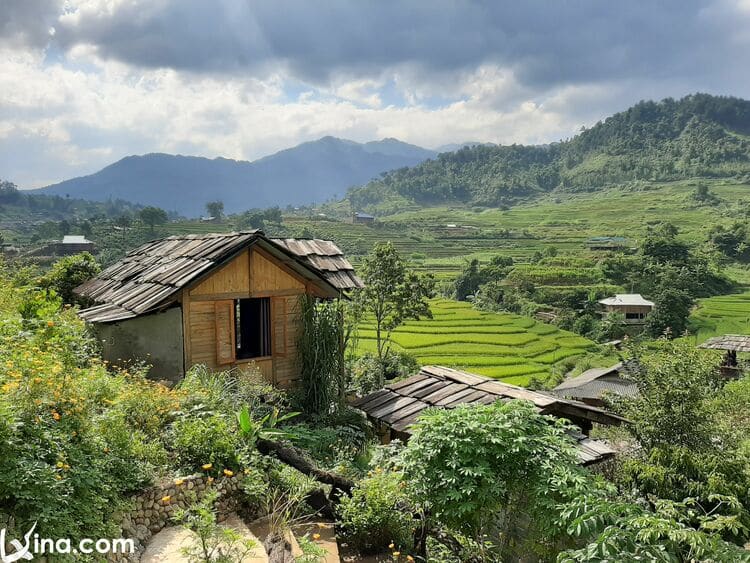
[(731, 344), (607, 243), (360, 217), (70, 244), (223, 300), (592, 385), (397, 406), (632, 305)]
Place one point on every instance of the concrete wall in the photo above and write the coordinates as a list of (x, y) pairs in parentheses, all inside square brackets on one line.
[(156, 339)]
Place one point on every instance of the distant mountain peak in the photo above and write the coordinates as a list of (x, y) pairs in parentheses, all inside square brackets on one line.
[(311, 172)]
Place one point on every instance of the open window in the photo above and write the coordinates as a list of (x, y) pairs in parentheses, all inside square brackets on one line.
[(252, 328)]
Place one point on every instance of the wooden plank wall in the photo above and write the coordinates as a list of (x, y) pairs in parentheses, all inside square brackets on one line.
[(251, 274)]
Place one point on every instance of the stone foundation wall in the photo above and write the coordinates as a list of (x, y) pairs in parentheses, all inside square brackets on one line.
[(153, 508)]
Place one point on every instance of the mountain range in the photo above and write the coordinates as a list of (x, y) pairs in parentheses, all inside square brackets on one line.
[(698, 136), (307, 173)]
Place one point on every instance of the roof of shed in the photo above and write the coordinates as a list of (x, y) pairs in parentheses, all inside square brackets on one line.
[(399, 405), (627, 299), (150, 276), (735, 342), (595, 383)]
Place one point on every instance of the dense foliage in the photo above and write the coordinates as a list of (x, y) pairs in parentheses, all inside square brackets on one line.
[(699, 135)]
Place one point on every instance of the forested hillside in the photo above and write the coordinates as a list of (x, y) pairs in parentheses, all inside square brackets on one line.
[(697, 136)]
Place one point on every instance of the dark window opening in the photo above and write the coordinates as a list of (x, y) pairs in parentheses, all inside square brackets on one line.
[(634, 315), (252, 327)]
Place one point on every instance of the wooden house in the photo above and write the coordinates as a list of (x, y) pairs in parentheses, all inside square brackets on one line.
[(607, 244), (632, 305), (396, 407), (226, 300), (365, 218)]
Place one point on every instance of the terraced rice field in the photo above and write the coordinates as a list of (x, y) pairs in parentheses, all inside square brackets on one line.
[(500, 345), (724, 314)]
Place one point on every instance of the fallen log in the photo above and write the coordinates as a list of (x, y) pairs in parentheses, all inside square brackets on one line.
[(296, 458)]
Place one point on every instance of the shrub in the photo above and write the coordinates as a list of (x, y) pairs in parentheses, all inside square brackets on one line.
[(203, 440), (364, 372), (70, 272), (376, 514)]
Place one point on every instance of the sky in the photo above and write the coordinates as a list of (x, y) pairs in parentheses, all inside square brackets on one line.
[(84, 83)]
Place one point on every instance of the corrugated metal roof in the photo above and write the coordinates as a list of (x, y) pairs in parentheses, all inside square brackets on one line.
[(75, 239), (735, 342), (150, 276), (399, 405), (627, 299)]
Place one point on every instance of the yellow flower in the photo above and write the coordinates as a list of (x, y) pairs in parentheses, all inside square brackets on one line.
[(321, 525), (409, 558), (56, 415), (60, 464), (50, 323), (166, 499), (207, 466), (210, 480), (58, 477), (391, 545), (179, 482), (228, 472), (396, 553)]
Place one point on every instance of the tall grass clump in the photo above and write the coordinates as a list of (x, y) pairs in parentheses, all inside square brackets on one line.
[(321, 356)]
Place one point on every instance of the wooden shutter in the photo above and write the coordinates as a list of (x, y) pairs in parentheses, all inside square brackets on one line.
[(225, 343), (278, 310)]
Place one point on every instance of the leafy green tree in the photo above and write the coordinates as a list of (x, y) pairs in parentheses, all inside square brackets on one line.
[(662, 246), (670, 314), (70, 272), (215, 209), (492, 472), (468, 282), (674, 386), (152, 216), (683, 454), (392, 294)]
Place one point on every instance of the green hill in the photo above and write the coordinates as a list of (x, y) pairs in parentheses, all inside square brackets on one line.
[(697, 136)]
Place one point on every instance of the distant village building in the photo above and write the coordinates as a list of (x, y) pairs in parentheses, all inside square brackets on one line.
[(69, 245), (360, 217), (607, 243), (228, 300), (593, 385), (632, 305), (73, 244)]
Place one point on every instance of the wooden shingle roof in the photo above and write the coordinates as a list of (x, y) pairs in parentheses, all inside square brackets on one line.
[(595, 383), (325, 257), (150, 276), (735, 342), (399, 405)]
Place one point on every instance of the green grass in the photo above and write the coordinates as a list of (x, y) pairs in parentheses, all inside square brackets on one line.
[(724, 314), (503, 346)]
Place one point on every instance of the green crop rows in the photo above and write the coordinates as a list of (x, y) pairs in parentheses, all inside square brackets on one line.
[(504, 346)]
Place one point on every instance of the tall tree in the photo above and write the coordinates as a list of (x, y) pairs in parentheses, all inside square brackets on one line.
[(392, 293), (153, 216), (215, 209)]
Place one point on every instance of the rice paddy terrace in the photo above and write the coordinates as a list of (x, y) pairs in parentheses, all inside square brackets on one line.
[(504, 346)]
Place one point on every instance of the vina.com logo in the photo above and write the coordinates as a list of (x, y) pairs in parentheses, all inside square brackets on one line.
[(33, 545)]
